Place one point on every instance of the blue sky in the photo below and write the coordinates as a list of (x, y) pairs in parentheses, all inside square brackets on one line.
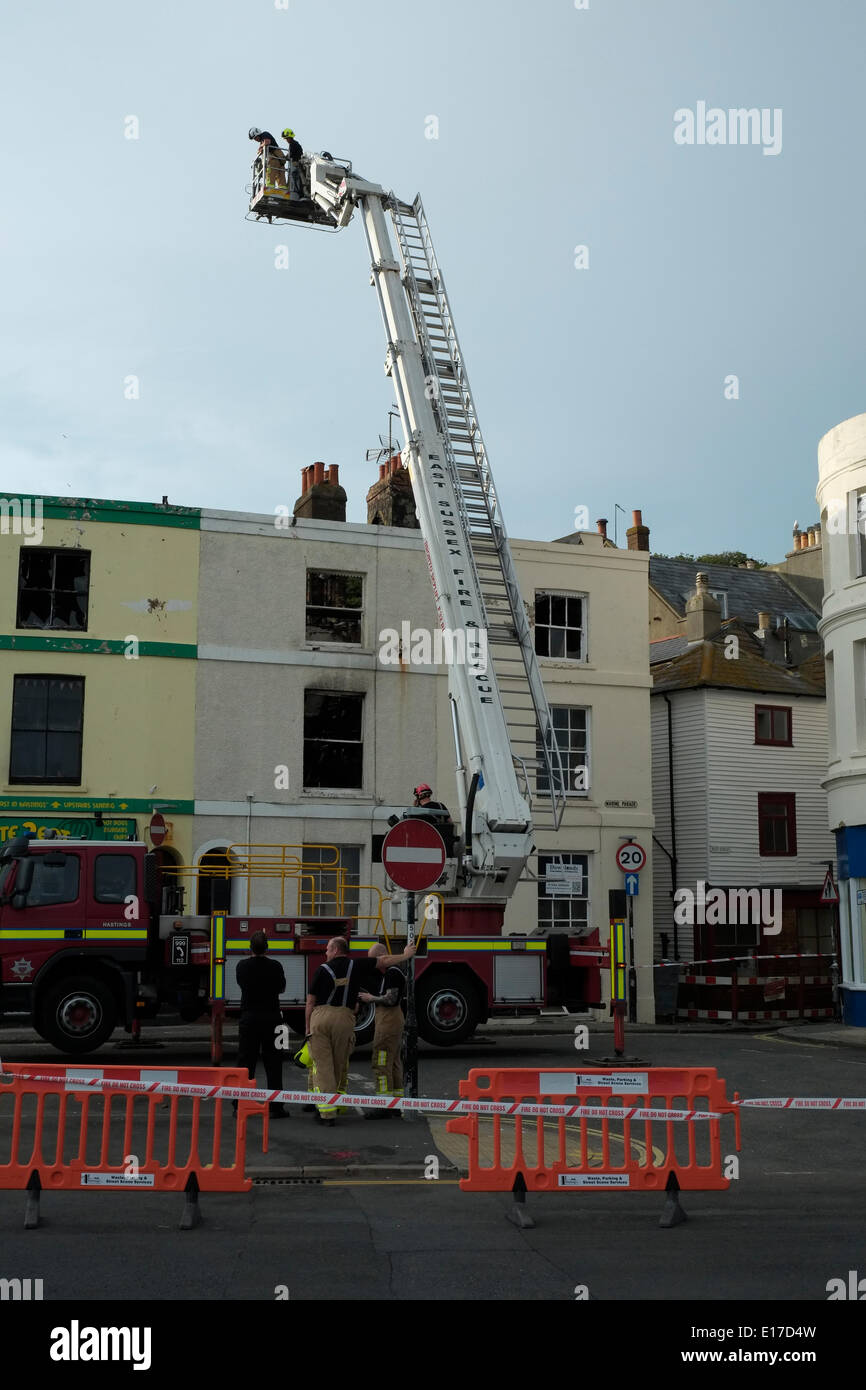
[(594, 386)]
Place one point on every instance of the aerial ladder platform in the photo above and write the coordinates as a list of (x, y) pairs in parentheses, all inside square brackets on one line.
[(511, 778)]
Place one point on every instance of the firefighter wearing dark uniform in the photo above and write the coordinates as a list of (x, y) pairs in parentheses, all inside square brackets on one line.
[(330, 1022), (388, 1037), (262, 981)]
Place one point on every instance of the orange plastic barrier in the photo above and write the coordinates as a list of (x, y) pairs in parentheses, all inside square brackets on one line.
[(65, 1136), (517, 1154)]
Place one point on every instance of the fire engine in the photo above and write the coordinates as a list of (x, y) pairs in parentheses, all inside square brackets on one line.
[(87, 937)]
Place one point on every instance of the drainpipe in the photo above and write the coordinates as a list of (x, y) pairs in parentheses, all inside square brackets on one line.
[(673, 818)]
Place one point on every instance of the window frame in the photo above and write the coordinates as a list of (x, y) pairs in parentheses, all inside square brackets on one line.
[(323, 887), (53, 552), (564, 753), (358, 613), (775, 742), (790, 800), (46, 781), (583, 597), (573, 928)]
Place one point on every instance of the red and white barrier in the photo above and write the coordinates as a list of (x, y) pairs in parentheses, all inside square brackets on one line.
[(91, 1083)]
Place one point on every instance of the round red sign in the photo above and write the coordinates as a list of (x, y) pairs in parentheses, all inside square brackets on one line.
[(158, 829), (413, 853)]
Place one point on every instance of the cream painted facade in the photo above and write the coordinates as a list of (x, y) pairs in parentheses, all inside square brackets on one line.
[(255, 664), (138, 709), (841, 497)]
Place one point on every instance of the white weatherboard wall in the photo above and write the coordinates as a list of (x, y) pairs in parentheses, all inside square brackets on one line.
[(688, 714), (738, 769), (718, 772)]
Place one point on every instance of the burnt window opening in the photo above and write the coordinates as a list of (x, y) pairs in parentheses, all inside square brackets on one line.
[(333, 740), (53, 588), (560, 626), (47, 722), (334, 606)]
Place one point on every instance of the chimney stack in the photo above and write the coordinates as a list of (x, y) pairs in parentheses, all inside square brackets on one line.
[(637, 535), (321, 497), (391, 501), (703, 612), (602, 527)]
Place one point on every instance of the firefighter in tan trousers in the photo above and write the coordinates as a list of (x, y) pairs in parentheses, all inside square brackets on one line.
[(330, 1022), (388, 1037)]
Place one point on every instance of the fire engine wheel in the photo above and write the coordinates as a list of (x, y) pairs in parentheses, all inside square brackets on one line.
[(448, 1010), (77, 1015), (365, 1024)]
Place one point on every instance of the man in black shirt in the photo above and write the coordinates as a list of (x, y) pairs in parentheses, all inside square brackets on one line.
[(330, 1022), (262, 981), (388, 998), (294, 168)]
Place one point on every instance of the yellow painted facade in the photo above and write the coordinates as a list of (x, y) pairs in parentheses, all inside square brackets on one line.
[(137, 657)]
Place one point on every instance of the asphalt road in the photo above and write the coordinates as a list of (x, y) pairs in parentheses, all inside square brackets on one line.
[(794, 1219)]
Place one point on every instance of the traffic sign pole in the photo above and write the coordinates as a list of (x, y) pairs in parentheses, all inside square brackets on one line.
[(410, 1034), (632, 972)]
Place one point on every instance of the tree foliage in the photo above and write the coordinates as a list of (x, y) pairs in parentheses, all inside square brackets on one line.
[(736, 558)]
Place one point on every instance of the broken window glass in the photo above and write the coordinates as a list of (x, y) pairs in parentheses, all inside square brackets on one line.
[(47, 716), (53, 588), (333, 747), (334, 606)]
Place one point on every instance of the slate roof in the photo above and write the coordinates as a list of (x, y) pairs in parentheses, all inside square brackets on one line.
[(749, 592), (705, 664)]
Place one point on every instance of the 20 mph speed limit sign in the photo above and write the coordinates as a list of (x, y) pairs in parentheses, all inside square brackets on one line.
[(631, 858)]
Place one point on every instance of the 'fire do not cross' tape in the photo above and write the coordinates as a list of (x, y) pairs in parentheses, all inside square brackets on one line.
[(517, 1109)]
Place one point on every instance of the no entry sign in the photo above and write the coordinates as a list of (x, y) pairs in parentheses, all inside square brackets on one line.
[(157, 829), (413, 853)]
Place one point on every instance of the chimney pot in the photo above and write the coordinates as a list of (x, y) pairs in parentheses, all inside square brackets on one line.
[(602, 527), (396, 463), (321, 503), (637, 535), (764, 621)]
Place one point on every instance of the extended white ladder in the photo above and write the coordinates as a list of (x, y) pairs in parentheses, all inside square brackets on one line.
[(511, 648)]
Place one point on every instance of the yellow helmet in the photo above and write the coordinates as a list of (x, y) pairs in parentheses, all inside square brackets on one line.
[(288, 134)]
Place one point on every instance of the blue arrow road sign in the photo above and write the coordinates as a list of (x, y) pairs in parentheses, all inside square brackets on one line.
[(631, 885)]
